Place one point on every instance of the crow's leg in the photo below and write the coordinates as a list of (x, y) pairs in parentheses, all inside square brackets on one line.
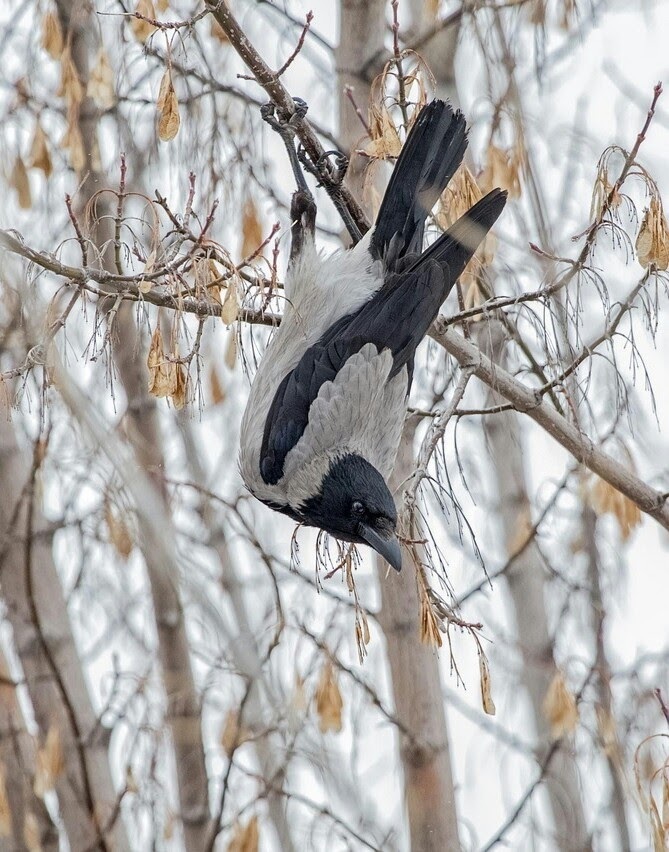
[(331, 180), (340, 164), (303, 222), (284, 126)]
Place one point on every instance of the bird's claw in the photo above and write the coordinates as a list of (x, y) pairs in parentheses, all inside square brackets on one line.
[(301, 109), (267, 111), (281, 121), (341, 162), (302, 203), (321, 170), (285, 124)]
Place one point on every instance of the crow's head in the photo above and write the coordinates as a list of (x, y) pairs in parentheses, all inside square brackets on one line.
[(352, 502)]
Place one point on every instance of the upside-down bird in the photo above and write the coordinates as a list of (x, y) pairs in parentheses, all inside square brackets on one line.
[(324, 417)]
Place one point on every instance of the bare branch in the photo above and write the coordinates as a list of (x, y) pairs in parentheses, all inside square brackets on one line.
[(528, 401)]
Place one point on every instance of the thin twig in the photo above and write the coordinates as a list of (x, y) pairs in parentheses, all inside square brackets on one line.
[(298, 48), (397, 54), (663, 705), (349, 92)]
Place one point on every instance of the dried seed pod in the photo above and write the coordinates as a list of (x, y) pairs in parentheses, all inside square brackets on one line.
[(179, 396), (329, 703), (162, 372), (384, 139), (101, 82), (486, 690), (245, 836), (70, 85), (605, 499), (20, 181), (39, 157), (461, 194), (52, 35), (251, 228), (169, 119), (119, 531), (652, 242), (141, 28), (429, 629), (560, 707), (502, 170), (233, 734)]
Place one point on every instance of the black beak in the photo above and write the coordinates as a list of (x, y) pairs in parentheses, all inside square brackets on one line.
[(385, 543)]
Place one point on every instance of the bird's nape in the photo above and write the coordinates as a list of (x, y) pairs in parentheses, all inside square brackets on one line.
[(353, 503)]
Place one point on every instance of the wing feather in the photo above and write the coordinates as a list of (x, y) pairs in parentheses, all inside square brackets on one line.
[(340, 417)]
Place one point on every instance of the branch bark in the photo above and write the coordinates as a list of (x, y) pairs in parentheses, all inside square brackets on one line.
[(84, 750), (183, 714), (577, 443)]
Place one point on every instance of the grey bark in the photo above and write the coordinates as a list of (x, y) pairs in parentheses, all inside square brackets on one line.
[(360, 56), (527, 589), (183, 714), (414, 667), (438, 51), (61, 699), (419, 702)]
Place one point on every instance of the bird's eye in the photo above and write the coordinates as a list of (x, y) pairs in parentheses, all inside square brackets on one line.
[(357, 508)]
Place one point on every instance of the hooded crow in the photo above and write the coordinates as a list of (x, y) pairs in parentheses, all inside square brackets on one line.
[(325, 413)]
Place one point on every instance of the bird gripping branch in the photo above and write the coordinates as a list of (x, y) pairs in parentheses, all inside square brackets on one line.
[(324, 417)]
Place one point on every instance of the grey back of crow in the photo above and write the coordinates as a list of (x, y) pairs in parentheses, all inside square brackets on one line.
[(331, 388)]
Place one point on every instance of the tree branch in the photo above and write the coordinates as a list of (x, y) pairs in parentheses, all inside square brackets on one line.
[(528, 401), (275, 89)]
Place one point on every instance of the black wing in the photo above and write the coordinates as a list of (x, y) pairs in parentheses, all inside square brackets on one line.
[(387, 320), (397, 317)]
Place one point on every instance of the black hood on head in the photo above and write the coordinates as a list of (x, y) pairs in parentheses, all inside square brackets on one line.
[(354, 503)]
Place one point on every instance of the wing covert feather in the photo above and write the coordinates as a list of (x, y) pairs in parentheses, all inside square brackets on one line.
[(339, 417)]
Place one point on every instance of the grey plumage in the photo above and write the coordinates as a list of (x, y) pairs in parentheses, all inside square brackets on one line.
[(325, 413)]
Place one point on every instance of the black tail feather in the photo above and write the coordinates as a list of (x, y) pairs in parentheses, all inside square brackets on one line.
[(428, 160), (454, 249)]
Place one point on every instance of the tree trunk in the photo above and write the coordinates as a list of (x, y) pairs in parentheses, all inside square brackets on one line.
[(43, 638), (183, 705), (526, 584), (360, 56), (419, 702), (414, 667)]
